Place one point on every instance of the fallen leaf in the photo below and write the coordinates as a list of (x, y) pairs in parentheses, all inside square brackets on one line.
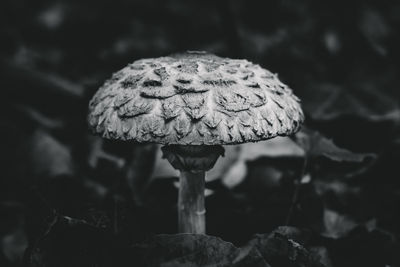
[(194, 250), (337, 225), (279, 250), (315, 145), (48, 156), (72, 242)]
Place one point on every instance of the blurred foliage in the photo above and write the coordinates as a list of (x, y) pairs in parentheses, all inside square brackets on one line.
[(71, 199)]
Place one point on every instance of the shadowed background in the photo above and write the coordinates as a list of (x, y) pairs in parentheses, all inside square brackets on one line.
[(63, 191)]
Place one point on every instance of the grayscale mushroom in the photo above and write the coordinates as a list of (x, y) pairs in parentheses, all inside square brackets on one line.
[(193, 103)]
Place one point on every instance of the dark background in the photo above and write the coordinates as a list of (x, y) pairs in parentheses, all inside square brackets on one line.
[(70, 199)]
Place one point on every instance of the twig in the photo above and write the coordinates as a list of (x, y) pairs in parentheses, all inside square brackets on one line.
[(296, 191)]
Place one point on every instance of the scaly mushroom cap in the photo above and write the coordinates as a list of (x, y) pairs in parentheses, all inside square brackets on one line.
[(194, 98)]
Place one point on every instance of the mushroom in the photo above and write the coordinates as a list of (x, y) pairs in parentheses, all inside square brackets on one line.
[(193, 103)]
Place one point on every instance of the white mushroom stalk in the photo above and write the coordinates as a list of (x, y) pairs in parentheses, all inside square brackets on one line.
[(193, 103), (193, 162)]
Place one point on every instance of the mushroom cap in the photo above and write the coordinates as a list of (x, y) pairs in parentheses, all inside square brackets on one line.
[(194, 98)]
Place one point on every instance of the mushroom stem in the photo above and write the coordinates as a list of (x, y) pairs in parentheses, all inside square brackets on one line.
[(191, 209), (192, 162)]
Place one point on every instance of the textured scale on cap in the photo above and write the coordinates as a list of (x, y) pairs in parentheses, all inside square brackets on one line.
[(194, 98)]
